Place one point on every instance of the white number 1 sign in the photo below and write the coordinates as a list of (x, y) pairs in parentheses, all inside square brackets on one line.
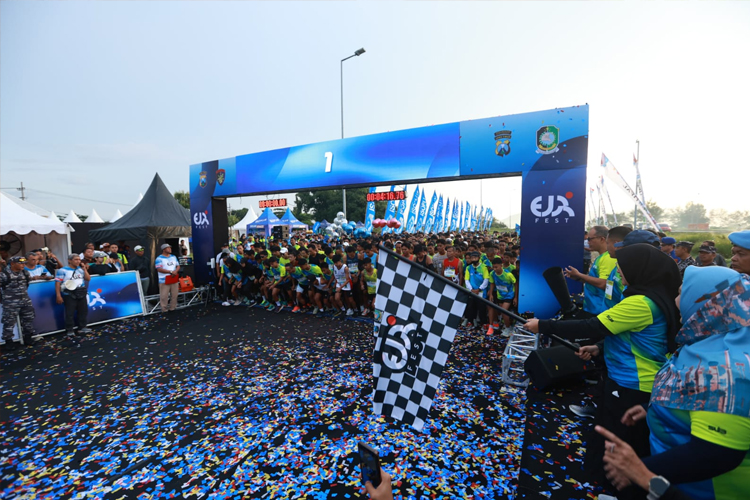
[(329, 160)]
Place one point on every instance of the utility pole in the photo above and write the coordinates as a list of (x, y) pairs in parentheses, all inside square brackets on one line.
[(22, 189), (637, 181)]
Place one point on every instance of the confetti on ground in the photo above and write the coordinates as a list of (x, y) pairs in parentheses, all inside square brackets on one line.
[(244, 403)]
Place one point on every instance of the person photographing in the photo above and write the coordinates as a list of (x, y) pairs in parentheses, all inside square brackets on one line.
[(71, 283)]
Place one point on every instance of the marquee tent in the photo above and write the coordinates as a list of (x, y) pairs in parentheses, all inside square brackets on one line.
[(266, 221), (93, 218), (116, 217), (288, 219), (249, 217), (32, 231), (71, 217), (157, 216)]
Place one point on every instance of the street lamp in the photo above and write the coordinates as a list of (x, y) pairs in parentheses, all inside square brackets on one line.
[(356, 53)]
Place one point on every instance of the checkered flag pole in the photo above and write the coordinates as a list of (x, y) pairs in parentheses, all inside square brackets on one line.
[(420, 315)]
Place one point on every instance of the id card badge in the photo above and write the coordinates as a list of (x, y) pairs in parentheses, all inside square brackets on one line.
[(609, 289)]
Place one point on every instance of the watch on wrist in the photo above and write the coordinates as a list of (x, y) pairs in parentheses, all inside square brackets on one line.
[(657, 486)]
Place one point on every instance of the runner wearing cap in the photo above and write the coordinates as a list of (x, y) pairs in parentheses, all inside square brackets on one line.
[(706, 255), (740, 251), (168, 268), (682, 250), (14, 282)]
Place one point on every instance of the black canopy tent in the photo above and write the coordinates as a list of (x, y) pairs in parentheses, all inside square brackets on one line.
[(157, 216)]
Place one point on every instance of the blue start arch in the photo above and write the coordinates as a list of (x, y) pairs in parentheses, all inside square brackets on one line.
[(547, 148)]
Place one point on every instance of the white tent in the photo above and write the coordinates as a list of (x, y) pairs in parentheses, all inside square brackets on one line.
[(94, 217), (117, 215), (52, 215), (33, 231), (71, 217), (250, 216), (28, 206)]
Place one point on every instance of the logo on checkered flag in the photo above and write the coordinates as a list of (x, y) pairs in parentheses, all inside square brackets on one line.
[(420, 315)]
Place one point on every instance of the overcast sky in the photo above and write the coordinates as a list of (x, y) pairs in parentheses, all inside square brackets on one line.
[(97, 96)]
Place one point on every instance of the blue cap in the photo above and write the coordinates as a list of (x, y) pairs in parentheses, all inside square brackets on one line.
[(668, 240), (638, 236), (741, 238)]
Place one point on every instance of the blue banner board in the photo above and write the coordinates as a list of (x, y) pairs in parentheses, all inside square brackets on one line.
[(112, 296)]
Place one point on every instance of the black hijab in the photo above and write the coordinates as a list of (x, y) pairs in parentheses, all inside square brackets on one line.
[(652, 273)]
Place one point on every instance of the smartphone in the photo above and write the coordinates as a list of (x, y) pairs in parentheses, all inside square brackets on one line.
[(369, 464)]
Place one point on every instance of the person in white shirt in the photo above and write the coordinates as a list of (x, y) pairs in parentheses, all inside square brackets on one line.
[(168, 268)]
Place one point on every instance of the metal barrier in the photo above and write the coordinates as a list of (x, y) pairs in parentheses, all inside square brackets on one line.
[(520, 345), (196, 296)]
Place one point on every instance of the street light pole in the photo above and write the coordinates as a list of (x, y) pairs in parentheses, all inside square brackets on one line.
[(356, 53)]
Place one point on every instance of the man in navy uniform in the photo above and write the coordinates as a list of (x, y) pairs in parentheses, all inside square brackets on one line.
[(14, 282)]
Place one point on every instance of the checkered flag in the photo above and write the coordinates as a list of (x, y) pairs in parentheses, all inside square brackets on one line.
[(420, 315)]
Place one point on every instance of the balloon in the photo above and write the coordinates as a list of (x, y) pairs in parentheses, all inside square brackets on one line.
[(397, 225), (392, 222)]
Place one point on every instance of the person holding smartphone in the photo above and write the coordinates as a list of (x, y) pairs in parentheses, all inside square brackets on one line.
[(71, 284)]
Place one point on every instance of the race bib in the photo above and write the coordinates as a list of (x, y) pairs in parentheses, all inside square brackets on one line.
[(609, 289), (353, 268), (450, 272)]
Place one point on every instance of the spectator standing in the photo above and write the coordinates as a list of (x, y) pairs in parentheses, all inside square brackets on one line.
[(740, 251), (667, 246), (706, 255), (115, 262), (99, 268), (52, 262), (36, 271), (719, 259), (14, 282), (168, 268), (139, 262), (682, 250), (71, 284), (115, 248), (183, 249)]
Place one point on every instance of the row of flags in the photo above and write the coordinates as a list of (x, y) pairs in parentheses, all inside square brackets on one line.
[(616, 177), (439, 216)]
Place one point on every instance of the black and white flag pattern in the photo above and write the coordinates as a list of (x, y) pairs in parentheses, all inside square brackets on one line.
[(420, 315)]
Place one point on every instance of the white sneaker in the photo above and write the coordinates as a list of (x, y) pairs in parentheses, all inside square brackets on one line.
[(464, 322), (507, 332), (349, 312), (237, 302), (315, 311), (365, 312), (225, 303)]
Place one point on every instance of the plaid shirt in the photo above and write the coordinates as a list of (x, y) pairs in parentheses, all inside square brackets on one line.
[(684, 263)]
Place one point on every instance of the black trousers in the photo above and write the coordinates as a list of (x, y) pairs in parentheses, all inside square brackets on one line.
[(73, 306), (613, 404), (473, 307)]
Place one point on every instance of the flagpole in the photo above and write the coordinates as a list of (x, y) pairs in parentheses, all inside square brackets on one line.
[(445, 280)]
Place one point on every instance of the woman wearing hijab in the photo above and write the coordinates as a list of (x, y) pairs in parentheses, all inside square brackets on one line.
[(638, 334), (699, 415)]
